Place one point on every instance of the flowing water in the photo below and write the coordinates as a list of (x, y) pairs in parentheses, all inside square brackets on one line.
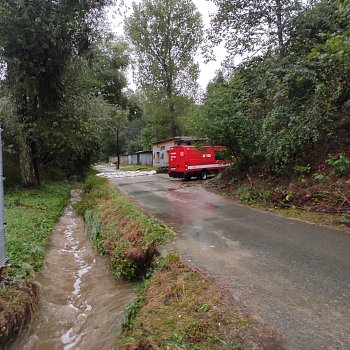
[(82, 303)]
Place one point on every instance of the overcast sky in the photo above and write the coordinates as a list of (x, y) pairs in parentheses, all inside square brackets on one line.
[(207, 70)]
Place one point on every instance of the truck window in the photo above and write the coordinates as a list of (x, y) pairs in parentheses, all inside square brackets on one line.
[(223, 154), (219, 155)]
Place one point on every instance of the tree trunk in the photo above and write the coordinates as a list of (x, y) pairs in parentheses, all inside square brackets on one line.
[(26, 164), (279, 23), (173, 124), (36, 160)]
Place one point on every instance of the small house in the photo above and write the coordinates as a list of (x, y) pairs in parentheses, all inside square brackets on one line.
[(140, 158), (161, 149)]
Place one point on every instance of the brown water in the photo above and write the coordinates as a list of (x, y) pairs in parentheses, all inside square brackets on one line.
[(82, 304)]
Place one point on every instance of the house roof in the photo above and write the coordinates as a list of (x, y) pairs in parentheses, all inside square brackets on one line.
[(138, 152), (180, 138)]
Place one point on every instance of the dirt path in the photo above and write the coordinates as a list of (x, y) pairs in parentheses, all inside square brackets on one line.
[(83, 304)]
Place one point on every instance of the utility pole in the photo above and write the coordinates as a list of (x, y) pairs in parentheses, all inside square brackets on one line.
[(118, 155), (3, 258)]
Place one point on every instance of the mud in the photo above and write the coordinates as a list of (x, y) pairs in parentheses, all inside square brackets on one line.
[(83, 304)]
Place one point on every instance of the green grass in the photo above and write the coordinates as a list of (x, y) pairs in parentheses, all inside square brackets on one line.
[(119, 230), (137, 168), (30, 217), (181, 308)]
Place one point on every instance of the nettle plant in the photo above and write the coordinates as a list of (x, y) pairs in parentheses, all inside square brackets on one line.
[(301, 171), (340, 164)]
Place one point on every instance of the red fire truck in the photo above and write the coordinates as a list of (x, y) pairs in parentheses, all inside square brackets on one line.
[(190, 161)]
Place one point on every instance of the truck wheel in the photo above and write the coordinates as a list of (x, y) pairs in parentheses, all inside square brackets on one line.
[(203, 175)]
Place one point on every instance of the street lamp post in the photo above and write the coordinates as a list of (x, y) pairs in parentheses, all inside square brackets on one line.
[(118, 155)]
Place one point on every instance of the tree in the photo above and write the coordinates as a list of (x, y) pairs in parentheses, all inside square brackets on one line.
[(285, 121), (91, 112), (336, 46), (37, 41), (166, 35), (250, 26), (232, 111)]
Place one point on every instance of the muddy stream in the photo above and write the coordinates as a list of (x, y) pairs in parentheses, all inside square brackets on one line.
[(82, 303)]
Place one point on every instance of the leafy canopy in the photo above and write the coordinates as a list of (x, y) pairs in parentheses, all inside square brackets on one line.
[(250, 26), (166, 35), (281, 116)]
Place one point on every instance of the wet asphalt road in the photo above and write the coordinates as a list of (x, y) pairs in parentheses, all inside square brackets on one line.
[(292, 275)]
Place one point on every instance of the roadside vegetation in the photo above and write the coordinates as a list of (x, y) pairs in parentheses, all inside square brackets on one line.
[(177, 306), (180, 307), (318, 194), (137, 168), (117, 229), (30, 215), (284, 113)]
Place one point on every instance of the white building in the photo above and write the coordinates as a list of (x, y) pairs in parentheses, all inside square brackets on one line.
[(161, 149)]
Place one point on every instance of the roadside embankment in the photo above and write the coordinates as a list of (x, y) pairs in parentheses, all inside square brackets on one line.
[(30, 216), (117, 229), (177, 307), (320, 195)]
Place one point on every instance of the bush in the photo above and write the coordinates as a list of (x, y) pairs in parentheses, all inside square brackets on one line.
[(340, 164)]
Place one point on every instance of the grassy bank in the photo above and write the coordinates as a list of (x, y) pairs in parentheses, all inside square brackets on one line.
[(117, 229), (180, 307), (137, 168), (30, 217), (177, 307), (320, 195)]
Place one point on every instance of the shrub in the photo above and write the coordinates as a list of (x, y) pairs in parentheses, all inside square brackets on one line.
[(340, 164)]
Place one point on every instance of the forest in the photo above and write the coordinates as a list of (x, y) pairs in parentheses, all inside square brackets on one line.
[(65, 99)]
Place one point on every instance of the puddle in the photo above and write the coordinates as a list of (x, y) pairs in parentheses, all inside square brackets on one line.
[(82, 303)]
